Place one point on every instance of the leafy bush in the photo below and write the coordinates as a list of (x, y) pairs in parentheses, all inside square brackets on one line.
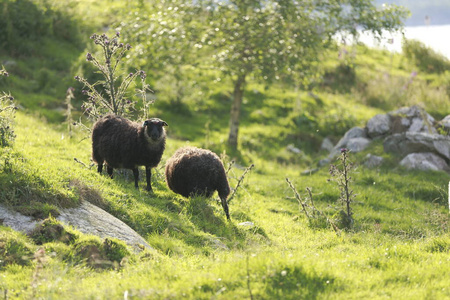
[(425, 58), (24, 22)]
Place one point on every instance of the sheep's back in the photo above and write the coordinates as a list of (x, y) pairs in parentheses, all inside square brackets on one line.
[(115, 139), (196, 171)]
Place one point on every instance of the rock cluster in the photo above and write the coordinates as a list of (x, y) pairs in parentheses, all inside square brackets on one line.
[(409, 132)]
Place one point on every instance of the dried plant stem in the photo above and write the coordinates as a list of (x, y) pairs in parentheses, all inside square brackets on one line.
[(240, 182), (298, 197)]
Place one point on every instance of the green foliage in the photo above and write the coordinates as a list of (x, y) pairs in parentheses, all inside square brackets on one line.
[(7, 110), (425, 58), (25, 22)]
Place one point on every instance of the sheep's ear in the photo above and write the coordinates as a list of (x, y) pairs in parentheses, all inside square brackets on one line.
[(145, 124), (164, 123)]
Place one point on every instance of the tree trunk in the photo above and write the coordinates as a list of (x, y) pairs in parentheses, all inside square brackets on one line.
[(236, 111)]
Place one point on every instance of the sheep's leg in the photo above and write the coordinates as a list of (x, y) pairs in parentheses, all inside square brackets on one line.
[(148, 174), (225, 207), (136, 177), (100, 168), (110, 171)]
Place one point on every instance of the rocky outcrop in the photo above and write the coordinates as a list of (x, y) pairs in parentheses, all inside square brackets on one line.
[(406, 131), (86, 218), (417, 142), (425, 161)]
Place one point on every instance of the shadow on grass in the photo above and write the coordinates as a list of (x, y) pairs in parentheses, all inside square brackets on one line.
[(295, 283)]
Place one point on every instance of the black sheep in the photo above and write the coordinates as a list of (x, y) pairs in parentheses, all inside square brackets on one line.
[(194, 171), (125, 144)]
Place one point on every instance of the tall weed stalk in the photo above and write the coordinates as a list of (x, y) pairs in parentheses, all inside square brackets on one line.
[(110, 95)]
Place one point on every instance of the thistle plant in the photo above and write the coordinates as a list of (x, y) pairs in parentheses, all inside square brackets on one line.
[(110, 94), (341, 174), (7, 111)]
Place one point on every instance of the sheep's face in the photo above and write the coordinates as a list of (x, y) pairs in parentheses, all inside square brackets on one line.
[(154, 129)]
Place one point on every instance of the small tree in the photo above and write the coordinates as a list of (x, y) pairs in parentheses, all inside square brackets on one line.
[(115, 101)]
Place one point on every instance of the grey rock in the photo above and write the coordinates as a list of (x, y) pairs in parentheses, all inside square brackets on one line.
[(357, 144), (247, 224), (91, 219), (445, 122), (411, 119), (417, 142), (353, 133), (323, 162), (378, 125), (373, 161), (327, 145), (16, 220), (293, 149), (86, 218), (309, 172), (425, 161)]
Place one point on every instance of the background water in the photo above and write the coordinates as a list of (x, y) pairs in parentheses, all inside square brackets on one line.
[(436, 37)]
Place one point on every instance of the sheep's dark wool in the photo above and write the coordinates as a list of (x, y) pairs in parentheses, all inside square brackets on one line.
[(194, 171), (120, 143)]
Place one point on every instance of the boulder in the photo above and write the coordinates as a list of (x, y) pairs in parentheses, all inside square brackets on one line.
[(417, 142), (373, 161), (425, 161), (411, 119), (445, 123), (378, 126), (327, 145), (353, 133), (357, 144), (86, 218)]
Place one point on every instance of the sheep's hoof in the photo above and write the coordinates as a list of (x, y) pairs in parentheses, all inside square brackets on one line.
[(149, 189)]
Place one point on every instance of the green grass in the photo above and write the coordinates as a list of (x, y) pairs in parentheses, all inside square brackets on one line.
[(399, 246)]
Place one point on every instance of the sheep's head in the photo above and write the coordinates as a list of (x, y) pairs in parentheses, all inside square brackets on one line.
[(154, 129)]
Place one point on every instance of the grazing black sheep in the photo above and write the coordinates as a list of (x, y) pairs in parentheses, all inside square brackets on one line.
[(194, 171), (125, 144)]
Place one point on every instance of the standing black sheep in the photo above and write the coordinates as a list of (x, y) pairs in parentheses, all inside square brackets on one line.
[(125, 144), (193, 171)]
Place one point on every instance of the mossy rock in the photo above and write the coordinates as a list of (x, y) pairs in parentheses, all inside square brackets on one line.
[(51, 230), (103, 255)]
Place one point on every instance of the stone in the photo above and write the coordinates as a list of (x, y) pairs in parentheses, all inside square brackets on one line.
[(417, 142), (357, 144), (87, 218), (425, 161), (16, 220), (355, 132), (327, 145), (445, 122), (378, 126), (411, 119), (372, 161), (91, 219), (293, 149)]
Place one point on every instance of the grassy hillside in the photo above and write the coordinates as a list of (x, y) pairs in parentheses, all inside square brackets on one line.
[(399, 246)]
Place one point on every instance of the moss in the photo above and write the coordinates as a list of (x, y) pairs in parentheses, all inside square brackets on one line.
[(14, 249), (50, 230)]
